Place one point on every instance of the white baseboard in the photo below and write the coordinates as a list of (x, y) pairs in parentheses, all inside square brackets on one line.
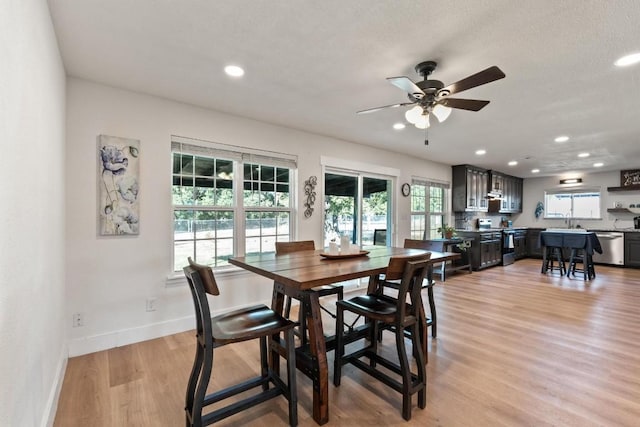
[(51, 406), (91, 344)]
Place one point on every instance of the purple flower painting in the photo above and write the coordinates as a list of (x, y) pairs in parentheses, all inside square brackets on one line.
[(118, 188)]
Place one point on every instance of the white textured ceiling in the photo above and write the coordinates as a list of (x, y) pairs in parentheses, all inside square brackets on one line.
[(311, 65)]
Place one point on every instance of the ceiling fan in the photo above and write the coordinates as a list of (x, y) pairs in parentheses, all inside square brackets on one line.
[(431, 96)]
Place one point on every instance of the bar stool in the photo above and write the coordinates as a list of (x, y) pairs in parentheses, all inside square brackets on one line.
[(324, 290), (579, 256), (257, 322), (555, 253), (380, 310)]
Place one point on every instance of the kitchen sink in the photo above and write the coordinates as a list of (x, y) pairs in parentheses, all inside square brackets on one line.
[(567, 230)]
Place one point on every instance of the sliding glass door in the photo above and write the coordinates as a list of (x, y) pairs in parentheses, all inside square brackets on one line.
[(358, 206)]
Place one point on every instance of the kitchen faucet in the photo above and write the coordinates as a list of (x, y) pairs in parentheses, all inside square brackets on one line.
[(567, 219)]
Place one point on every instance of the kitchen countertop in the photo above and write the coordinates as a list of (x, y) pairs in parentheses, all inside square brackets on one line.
[(493, 230)]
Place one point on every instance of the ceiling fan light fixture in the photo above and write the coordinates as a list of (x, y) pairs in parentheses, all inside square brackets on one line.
[(627, 60), (413, 115), (441, 112), (423, 122)]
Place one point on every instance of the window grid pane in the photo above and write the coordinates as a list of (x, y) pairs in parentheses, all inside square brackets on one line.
[(264, 228), (205, 208), (428, 210)]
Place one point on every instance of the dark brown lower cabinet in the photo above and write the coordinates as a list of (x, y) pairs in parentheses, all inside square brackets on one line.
[(632, 249)]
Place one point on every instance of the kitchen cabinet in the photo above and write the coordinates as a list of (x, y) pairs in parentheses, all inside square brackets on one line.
[(533, 234), (632, 249), (486, 248), (490, 249), (511, 189), (469, 189), (520, 244)]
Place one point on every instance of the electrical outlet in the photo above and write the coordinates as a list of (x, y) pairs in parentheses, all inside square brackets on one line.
[(151, 304), (78, 320)]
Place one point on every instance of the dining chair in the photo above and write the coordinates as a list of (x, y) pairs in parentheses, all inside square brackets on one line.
[(432, 320), (380, 310), (256, 322), (380, 237), (430, 245), (324, 290)]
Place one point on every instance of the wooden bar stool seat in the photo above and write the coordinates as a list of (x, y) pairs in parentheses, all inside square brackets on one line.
[(256, 322), (379, 311)]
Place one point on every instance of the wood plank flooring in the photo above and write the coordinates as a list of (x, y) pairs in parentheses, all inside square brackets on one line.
[(514, 348)]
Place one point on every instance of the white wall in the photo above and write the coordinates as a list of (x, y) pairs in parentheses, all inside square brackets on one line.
[(32, 316), (534, 189), (109, 279)]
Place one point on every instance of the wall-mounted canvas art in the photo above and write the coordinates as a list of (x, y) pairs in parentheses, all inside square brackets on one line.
[(118, 188)]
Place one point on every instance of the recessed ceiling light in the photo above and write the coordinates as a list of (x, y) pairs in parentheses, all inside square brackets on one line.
[(598, 165), (512, 163), (562, 138), (631, 59), (535, 170), (399, 126), (481, 152), (234, 71), (584, 155)]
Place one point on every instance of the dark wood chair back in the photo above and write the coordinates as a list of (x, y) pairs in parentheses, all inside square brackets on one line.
[(397, 264), (289, 247), (380, 237), (206, 276)]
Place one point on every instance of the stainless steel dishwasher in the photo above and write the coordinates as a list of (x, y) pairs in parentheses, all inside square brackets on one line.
[(612, 248)]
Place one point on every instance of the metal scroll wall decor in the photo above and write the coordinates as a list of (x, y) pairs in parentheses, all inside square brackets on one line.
[(310, 194)]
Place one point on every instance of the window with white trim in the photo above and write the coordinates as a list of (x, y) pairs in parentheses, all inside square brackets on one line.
[(572, 204), (228, 202), (428, 208)]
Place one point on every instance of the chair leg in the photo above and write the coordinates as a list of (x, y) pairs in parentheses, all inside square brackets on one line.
[(339, 350), (201, 389), (193, 382), (376, 332), (264, 363), (404, 372), (291, 378), (434, 317), (572, 263), (421, 361)]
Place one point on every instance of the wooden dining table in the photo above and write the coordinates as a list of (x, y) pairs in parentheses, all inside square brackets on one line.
[(295, 274)]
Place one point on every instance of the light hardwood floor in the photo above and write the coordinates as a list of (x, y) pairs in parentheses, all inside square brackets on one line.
[(514, 348)]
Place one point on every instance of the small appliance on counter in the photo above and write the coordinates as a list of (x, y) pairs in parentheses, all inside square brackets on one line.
[(484, 223), (636, 223)]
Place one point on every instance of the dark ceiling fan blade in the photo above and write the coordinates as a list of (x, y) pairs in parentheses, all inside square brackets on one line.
[(406, 85), (464, 104), (371, 110), (483, 77)]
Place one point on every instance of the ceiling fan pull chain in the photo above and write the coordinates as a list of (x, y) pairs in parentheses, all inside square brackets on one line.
[(426, 136)]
